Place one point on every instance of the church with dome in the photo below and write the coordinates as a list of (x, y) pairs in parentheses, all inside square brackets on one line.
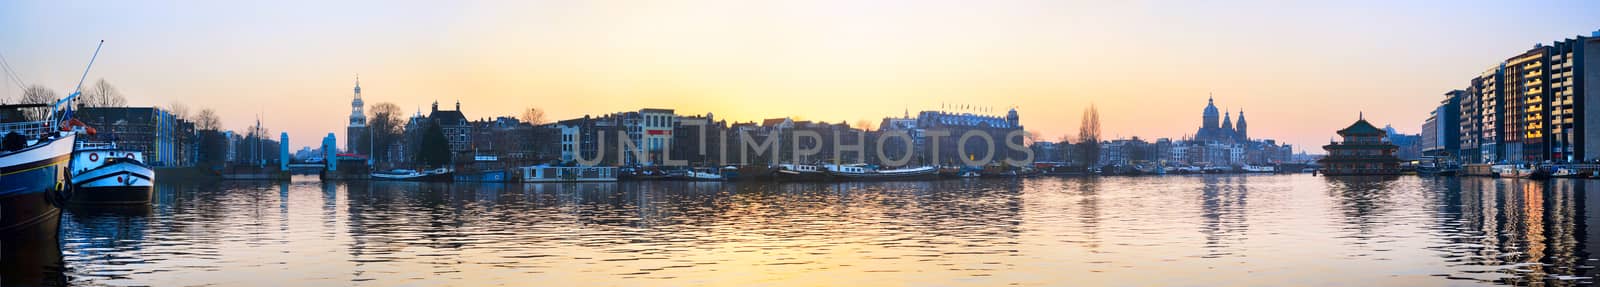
[(1225, 132)]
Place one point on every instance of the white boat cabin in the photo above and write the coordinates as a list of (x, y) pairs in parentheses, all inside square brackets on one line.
[(91, 155)]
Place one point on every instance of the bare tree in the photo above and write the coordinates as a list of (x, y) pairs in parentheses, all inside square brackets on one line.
[(102, 94), (386, 117), (533, 116), (386, 125), (36, 94), (207, 120), (179, 110), (1089, 137)]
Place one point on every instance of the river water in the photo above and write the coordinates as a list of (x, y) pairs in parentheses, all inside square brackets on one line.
[(1120, 231)]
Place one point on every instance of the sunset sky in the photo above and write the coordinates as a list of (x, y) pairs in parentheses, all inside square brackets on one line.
[(1299, 70)]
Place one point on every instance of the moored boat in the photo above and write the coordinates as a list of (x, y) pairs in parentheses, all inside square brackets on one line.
[(995, 171), (1503, 170), (961, 172), (32, 173), (34, 154), (857, 172), (799, 172), (568, 174), (696, 175), (1565, 172), (436, 175), (101, 173), (1259, 169), (1522, 171), (637, 173)]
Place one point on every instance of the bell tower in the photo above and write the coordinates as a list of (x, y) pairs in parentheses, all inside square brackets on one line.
[(358, 121)]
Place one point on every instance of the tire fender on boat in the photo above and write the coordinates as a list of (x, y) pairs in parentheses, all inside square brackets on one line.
[(60, 194)]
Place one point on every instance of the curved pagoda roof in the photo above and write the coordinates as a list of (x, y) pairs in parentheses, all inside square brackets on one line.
[(1362, 127)]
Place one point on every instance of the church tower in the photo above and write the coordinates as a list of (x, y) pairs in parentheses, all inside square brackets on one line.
[(1227, 124), (358, 122), (1209, 129), (1209, 118), (1243, 132)]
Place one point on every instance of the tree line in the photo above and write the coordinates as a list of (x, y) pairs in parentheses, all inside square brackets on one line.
[(386, 128), (102, 94)]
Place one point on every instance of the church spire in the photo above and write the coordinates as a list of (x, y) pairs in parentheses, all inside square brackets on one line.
[(1242, 128), (1227, 121)]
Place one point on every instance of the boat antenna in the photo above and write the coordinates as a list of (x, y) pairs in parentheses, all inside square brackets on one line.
[(79, 89)]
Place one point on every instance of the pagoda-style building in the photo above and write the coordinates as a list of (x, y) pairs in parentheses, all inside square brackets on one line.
[(1365, 150)]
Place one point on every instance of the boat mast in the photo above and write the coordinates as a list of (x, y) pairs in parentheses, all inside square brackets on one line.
[(79, 89)]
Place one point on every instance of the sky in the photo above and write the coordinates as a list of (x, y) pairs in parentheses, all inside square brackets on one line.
[(1298, 69)]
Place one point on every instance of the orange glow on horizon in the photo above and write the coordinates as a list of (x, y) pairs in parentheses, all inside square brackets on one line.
[(1302, 70)]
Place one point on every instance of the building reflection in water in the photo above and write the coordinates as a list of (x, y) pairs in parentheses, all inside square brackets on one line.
[(1518, 231), (674, 224), (1365, 202), (1196, 230)]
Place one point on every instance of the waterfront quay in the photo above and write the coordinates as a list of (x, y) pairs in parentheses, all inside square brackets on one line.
[(1209, 230)]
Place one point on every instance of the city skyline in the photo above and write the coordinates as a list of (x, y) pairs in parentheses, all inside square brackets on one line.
[(1148, 65)]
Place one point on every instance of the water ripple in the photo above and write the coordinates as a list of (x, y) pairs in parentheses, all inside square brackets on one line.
[(1177, 230)]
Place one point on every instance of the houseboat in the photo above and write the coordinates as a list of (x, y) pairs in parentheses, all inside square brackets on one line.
[(800, 172), (568, 174), (641, 173), (857, 172), (433, 175), (696, 175), (1258, 169), (104, 174), (1365, 150), (1524, 171), (1001, 171)]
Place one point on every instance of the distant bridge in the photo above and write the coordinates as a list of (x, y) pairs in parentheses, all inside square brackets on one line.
[(307, 168)]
